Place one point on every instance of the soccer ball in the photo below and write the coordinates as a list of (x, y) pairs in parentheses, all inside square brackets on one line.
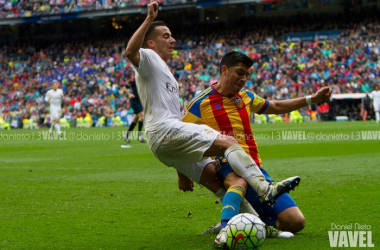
[(245, 232)]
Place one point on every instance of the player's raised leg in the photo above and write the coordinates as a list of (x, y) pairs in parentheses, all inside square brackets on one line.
[(246, 167)]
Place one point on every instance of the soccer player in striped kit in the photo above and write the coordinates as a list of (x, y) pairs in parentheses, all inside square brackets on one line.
[(226, 107)]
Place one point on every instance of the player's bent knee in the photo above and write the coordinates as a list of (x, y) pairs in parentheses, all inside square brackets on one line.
[(294, 225), (135, 119), (232, 179), (220, 145), (231, 140), (225, 141), (298, 224), (291, 220)]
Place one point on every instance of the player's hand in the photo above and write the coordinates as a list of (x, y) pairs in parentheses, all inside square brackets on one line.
[(153, 9), (322, 95), (185, 183), (132, 96)]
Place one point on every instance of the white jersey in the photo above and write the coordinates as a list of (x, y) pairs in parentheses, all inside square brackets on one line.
[(376, 96), (158, 90), (376, 100), (55, 98)]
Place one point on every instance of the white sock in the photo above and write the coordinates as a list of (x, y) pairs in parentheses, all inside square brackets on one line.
[(245, 207), (220, 194), (246, 167), (51, 127), (377, 116), (57, 128)]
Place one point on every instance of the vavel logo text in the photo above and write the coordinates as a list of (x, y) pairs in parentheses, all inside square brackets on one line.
[(350, 235)]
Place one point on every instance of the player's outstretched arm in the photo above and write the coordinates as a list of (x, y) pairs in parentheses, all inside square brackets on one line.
[(285, 106), (137, 39)]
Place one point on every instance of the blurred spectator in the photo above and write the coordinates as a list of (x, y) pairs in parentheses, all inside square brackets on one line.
[(24, 8), (366, 107)]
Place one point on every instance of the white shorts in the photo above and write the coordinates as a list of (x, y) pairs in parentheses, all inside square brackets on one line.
[(193, 170), (55, 115), (183, 146)]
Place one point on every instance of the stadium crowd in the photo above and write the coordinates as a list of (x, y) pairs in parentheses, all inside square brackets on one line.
[(92, 74), (24, 8)]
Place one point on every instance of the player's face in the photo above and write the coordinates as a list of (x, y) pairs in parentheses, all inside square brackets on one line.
[(55, 86), (235, 77), (163, 43)]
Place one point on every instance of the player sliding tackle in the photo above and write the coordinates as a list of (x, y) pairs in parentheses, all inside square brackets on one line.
[(177, 144), (226, 107)]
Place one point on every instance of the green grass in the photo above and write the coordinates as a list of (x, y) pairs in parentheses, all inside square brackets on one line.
[(93, 194)]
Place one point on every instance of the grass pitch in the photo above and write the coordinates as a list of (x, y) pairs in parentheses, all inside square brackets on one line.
[(86, 192)]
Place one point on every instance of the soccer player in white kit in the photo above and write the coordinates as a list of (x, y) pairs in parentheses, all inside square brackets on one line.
[(185, 146), (55, 97), (376, 102)]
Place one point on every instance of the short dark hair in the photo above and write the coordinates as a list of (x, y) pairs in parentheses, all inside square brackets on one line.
[(232, 58), (150, 30)]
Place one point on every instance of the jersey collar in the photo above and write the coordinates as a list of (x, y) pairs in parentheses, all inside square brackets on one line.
[(217, 92)]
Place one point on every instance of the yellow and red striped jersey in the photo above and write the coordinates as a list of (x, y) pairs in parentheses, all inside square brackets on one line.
[(229, 115)]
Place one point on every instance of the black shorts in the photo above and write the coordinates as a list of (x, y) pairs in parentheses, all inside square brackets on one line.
[(136, 105)]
